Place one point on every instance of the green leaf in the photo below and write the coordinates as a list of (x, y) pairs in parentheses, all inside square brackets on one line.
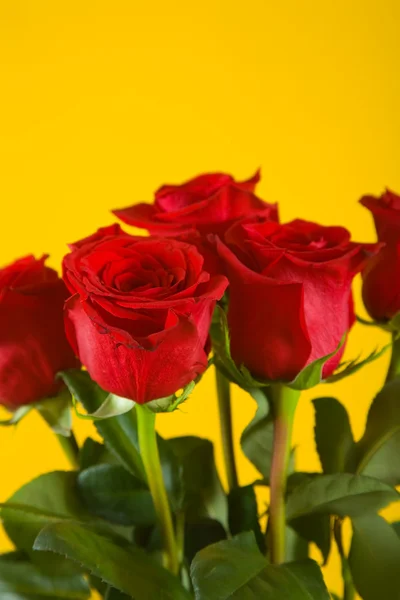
[(296, 547), (333, 434), (22, 580), (311, 375), (340, 494), (171, 403), (257, 438), (113, 406), (172, 470), (378, 451), (396, 527), (57, 412), (393, 326), (93, 453), (235, 569), (202, 533), (113, 594), (204, 494), (111, 492), (17, 416), (119, 433), (48, 498), (354, 365), (243, 513), (385, 463), (374, 558), (129, 570), (316, 529)]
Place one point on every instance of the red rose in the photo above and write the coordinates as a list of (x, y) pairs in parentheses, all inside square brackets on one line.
[(141, 311), (209, 203), (381, 277), (33, 346), (290, 294)]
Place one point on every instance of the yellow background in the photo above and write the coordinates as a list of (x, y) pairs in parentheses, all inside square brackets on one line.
[(101, 102)]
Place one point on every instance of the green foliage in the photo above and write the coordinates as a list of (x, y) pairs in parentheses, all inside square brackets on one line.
[(257, 438), (47, 499), (333, 435), (99, 527), (243, 514), (311, 375), (315, 528), (171, 403), (118, 433), (378, 451), (94, 453), (111, 492), (235, 569), (20, 579), (57, 412), (129, 570), (355, 365), (201, 533), (17, 416), (374, 558), (297, 548), (113, 406), (340, 494), (203, 492)]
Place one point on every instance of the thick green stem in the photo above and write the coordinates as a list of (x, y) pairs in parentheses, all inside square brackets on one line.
[(349, 591), (71, 448), (285, 403), (394, 366), (152, 465), (225, 417)]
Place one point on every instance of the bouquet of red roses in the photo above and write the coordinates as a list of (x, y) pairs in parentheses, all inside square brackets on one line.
[(129, 331)]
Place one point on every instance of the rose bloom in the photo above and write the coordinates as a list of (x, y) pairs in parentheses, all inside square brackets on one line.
[(209, 203), (290, 294), (381, 277), (140, 312), (33, 345)]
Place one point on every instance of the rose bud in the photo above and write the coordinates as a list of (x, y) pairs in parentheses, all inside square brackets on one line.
[(381, 276), (33, 345), (140, 312), (290, 294), (208, 203)]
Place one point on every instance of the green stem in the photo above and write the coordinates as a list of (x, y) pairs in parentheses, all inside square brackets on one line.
[(225, 417), (71, 448), (285, 403), (152, 465), (349, 591), (394, 366), (180, 535)]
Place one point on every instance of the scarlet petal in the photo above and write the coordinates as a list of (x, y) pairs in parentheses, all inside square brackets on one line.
[(268, 331), (381, 284), (33, 346), (132, 372)]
